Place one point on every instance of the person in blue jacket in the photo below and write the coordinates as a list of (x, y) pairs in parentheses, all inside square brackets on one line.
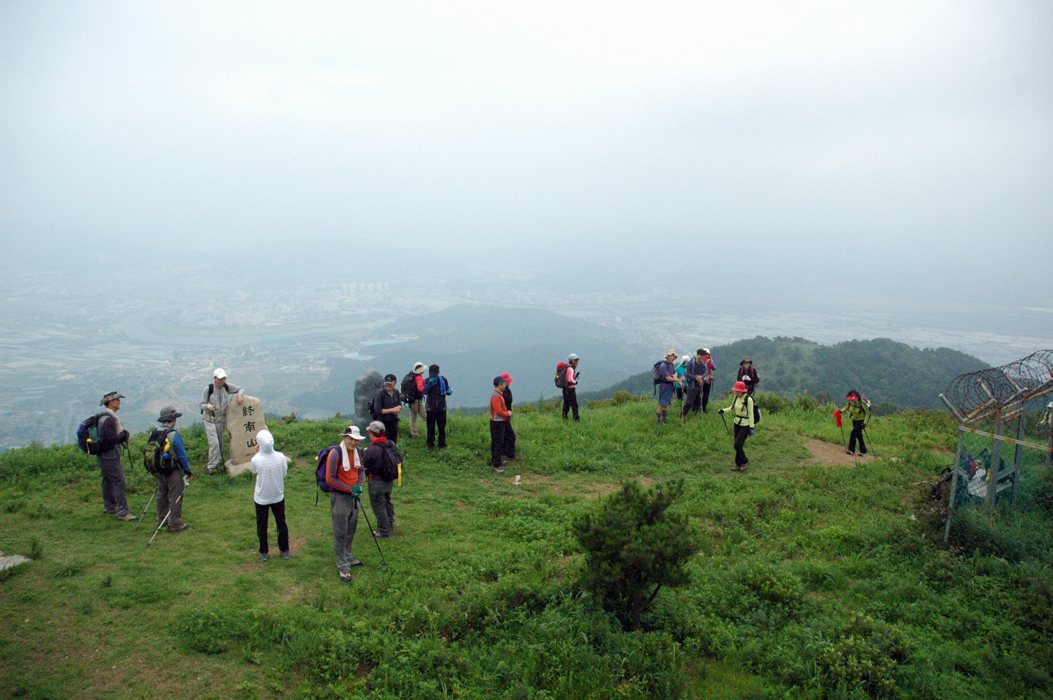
[(170, 486)]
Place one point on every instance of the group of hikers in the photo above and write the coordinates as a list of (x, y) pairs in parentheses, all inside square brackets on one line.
[(346, 468)]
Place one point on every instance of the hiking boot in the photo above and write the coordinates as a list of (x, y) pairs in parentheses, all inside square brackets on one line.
[(499, 470), (211, 470), (376, 533), (127, 517), (178, 528), (264, 557), (285, 555), (429, 449), (345, 576), (109, 511), (849, 452)]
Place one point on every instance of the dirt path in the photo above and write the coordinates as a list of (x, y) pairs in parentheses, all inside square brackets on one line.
[(832, 454)]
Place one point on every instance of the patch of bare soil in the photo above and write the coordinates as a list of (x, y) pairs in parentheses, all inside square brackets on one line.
[(831, 454), (596, 490)]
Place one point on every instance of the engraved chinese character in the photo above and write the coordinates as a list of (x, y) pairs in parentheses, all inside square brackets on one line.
[(250, 426), (247, 410)]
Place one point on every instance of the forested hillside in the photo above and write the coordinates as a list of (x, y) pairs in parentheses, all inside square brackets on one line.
[(892, 374)]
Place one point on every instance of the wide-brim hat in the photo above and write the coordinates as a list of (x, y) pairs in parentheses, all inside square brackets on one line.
[(507, 378), (419, 368), (111, 396), (744, 361), (740, 387), (672, 352), (168, 413), (352, 432)]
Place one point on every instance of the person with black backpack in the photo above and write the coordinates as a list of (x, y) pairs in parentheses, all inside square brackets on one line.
[(436, 389), (413, 395), (173, 470), (112, 438), (386, 407), (745, 417), (382, 462)]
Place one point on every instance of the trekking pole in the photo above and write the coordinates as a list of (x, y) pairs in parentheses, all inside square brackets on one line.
[(168, 514), (724, 422), (146, 509), (358, 504), (131, 466)]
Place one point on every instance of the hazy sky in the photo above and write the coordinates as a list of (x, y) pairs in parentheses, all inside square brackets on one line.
[(905, 143)]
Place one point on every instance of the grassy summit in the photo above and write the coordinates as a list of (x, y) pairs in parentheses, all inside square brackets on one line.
[(813, 581)]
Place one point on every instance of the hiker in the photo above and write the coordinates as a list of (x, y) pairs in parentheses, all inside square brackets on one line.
[(499, 417), (666, 380), (214, 401), (270, 468), (681, 372), (387, 405), (570, 391), (171, 484), (344, 475), (695, 373), (707, 383), (858, 410), (413, 395), (374, 461), (748, 375), (113, 438), (742, 409), (436, 389), (509, 449)]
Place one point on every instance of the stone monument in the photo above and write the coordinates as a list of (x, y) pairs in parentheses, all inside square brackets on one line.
[(366, 387), (244, 421)]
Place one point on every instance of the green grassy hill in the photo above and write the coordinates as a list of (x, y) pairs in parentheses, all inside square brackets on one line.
[(816, 579), (893, 374)]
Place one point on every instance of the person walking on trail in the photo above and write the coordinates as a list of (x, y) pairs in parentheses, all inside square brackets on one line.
[(171, 484), (374, 460), (270, 468), (436, 389), (858, 410), (413, 394), (695, 372), (748, 375), (509, 449), (570, 391), (113, 437), (344, 474), (667, 381), (214, 401), (742, 409), (707, 383), (499, 418), (387, 405)]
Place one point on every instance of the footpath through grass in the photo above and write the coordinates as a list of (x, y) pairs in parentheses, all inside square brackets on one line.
[(814, 581)]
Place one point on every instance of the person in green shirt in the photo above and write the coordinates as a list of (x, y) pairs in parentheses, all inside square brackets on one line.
[(858, 410), (742, 409)]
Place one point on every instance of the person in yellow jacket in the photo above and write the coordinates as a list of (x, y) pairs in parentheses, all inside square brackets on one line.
[(858, 410), (742, 409)]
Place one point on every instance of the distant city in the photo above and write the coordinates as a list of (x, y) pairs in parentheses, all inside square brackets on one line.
[(65, 342)]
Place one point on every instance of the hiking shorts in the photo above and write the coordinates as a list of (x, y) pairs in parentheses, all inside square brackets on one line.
[(665, 394)]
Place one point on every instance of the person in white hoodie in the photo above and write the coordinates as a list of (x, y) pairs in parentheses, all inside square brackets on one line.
[(270, 468)]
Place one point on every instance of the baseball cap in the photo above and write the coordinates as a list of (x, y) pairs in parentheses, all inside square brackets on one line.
[(352, 432), (377, 428), (390, 379), (219, 373)]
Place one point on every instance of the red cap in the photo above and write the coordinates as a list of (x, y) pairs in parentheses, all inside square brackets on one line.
[(505, 376)]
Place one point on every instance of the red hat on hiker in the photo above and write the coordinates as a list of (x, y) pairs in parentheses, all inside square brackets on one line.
[(740, 387)]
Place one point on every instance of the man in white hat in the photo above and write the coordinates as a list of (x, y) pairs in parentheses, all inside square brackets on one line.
[(113, 437), (345, 475), (214, 401)]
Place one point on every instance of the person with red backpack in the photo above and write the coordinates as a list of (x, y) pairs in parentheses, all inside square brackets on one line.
[(344, 474), (858, 410), (570, 387)]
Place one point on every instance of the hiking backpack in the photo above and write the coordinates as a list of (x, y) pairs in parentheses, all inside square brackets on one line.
[(157, 455), (319, 472), (88, 438), (409, 388), (561, 375), (391, 466)]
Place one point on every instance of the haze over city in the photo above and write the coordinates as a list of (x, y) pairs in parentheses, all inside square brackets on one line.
[(180, 182)]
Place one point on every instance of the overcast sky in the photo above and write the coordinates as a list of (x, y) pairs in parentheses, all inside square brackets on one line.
[(904, 142)]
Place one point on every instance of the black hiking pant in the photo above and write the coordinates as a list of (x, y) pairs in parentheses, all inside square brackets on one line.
[(706, 386), (436, 419), (279, 519), (857, 434), (741, 433), (497, 441), (570, 401), (509, 449), (693, 400)]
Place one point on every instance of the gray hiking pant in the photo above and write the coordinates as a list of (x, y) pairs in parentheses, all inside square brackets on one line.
[(380, 501), (113, 485), (215, 434), (169, 490), (344, 508)]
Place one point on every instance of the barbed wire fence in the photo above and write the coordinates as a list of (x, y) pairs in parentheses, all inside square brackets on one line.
[(995, 466)]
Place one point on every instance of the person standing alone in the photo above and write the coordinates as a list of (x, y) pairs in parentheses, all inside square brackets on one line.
[(499, 417), (214, 402), (570, 391), (270, 468), (113, 438), (742, 409), (858, 410)]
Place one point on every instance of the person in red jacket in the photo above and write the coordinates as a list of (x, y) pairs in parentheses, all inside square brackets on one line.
[(499, 417), (345, 475)]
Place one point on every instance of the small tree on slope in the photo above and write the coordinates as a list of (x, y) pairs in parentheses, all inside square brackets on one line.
[(633, 547)]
